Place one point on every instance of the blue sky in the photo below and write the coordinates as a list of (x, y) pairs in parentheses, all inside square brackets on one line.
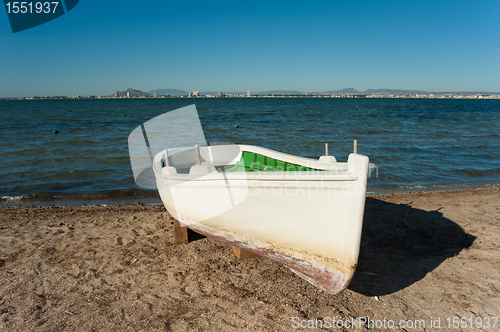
[(103, 46)]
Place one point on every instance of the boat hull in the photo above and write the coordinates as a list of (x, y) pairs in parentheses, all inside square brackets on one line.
[(308, 221)]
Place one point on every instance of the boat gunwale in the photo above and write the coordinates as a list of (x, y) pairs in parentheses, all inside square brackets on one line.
[(289, 176)]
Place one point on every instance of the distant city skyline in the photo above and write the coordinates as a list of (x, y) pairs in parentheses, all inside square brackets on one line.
[(97, 49), (132, 93), (345, 93)]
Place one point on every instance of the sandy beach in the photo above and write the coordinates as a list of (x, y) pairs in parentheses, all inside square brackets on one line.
[(428, 261)]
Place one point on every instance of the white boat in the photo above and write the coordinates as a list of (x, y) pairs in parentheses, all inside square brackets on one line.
[(304, 213)]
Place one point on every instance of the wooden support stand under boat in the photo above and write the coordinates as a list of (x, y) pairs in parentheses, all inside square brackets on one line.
[(180, 233), (243, 254), (181, 236)]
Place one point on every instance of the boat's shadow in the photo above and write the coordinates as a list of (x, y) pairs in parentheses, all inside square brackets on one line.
[(401, 244)]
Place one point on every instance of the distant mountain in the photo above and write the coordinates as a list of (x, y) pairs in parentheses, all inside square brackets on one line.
[(280, 92), (394, 92), (345, 91), (169, 92), (467, 93), (133, 93)]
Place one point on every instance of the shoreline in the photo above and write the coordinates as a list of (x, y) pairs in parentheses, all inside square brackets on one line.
[(135, 196), (424, 256)]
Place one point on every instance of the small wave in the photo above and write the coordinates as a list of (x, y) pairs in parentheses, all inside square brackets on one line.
[(23, 152), (478, 173), (12, 198), (113, 197)]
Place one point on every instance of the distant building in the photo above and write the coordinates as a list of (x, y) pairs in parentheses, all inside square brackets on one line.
[(155, 94), (116, 94), (219, 94), (128, 94), (248, 93), (189, 95), (196, 93)]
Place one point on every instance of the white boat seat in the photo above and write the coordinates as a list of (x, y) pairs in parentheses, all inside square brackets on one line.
[(202, 169)]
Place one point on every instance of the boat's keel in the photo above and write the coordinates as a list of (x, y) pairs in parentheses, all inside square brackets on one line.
[(328, 280)]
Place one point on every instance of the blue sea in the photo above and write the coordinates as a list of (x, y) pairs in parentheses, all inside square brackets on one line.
[(417, 144)]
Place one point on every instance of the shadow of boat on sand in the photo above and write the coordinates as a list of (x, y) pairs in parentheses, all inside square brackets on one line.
[(401, 244)]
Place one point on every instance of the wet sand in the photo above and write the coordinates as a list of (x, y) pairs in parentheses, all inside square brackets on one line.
[(425, 258)]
